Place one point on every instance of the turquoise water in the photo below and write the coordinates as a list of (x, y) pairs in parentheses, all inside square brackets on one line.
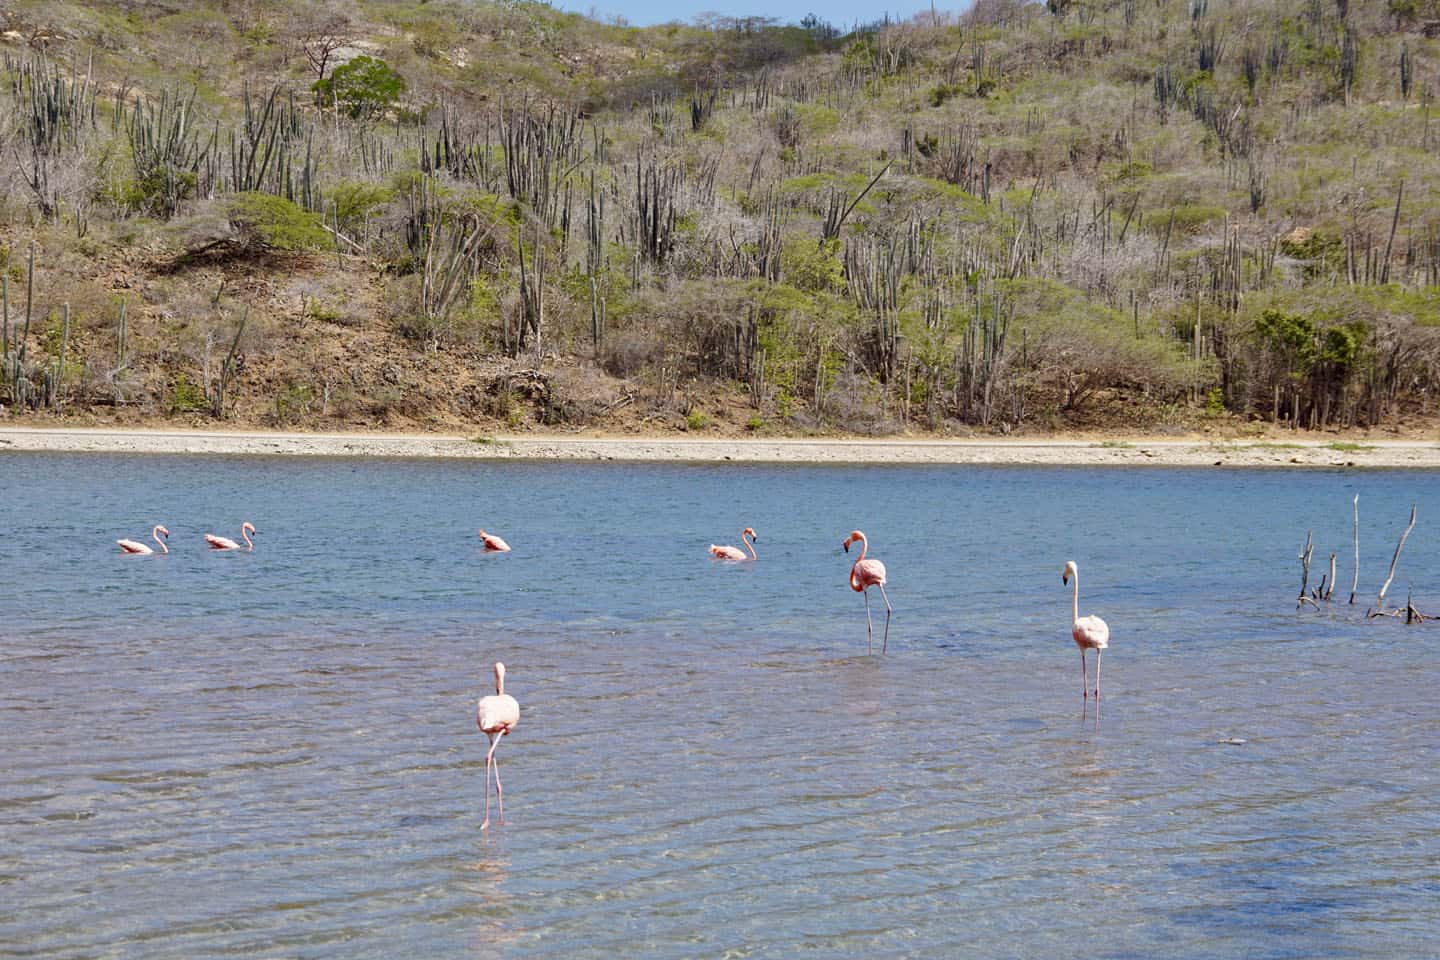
[(274, 754)]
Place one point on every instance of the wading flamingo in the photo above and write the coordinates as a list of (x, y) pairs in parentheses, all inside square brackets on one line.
[(1090, 633), (735, 553), (135, 546), (496, 716), (494, 544), (225, 543), (863, 575)]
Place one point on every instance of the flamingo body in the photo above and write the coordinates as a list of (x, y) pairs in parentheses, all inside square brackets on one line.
[(1089, 633), (735, 553), (135, 546), (868, 572), (225, 543), (494, 544), (496, 716)]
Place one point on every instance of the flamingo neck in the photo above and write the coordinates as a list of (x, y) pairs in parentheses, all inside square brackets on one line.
[(1075, 599), (499, 684), (855, 583), (749, 546), (245, 533), (155, 534)]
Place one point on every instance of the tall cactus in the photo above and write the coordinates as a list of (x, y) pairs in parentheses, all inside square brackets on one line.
[(873, 267), (541, 152), (262, 152), (167, 151), (657, 186)]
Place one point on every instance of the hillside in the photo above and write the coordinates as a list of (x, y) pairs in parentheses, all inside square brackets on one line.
[(473, 215)]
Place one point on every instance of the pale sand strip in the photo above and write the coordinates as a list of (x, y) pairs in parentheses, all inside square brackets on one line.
[(1052, 452)]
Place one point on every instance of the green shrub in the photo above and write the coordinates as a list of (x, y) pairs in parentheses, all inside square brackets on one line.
[(268, 222), (811, 265), (942, 92), (186, 396), (1320, 250), (1189, 218), (1413, 10), (364, 88), (355, 200)]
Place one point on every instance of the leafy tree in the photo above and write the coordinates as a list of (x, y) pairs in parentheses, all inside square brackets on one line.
[(365, 87)]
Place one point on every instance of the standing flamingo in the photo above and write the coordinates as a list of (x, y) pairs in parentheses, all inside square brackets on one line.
[(225, 543), (735, 553), (135, 546), (494, 544), (863, 575), (1090, 633), (496, 717)]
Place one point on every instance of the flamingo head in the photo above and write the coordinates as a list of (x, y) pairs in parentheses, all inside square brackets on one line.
[(482, 533), (499, 677), (247, 525), (160, 531), (854, 536), (751, 532), (1070, 571)]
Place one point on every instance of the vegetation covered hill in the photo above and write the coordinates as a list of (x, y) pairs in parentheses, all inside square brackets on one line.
[(1124, 213)]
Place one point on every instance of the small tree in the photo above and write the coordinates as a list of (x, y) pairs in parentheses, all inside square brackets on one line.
[(364, 88)]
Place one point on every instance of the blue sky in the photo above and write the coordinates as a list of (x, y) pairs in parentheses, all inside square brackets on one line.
[(843, 13)]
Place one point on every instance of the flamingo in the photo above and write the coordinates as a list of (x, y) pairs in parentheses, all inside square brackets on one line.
[(225, 543), (496, 716), (735, 553), (1090, 633), (135, 546), (863, 575), (494, 544)]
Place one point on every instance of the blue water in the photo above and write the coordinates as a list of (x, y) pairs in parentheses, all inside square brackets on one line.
[(274, 754)]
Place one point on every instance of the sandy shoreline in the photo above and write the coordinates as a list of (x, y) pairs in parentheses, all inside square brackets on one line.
[(1050, 452)]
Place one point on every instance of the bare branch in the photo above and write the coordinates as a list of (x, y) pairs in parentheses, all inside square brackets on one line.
[(1380, 601)]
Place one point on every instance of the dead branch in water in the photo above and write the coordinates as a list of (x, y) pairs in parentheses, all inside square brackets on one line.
[(1355, 581), (1409, 612), (1305, 553), (1380, 601)]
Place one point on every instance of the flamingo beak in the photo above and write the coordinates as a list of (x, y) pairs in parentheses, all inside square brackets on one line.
[(1065, 577), (846, 545)]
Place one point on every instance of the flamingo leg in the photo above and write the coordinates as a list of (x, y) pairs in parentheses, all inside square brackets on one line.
[(486, 824), (1084, 677), (869, 626), (489, 762), (885, 642), (1098, 651), (499, 794)]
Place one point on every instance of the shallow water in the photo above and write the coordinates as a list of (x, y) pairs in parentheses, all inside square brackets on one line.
[(274, 754)]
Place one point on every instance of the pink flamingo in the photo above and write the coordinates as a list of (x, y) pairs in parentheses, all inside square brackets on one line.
[(496, 716), (494, 544), (1090, 633), (863, 575), (735, 553), (225, 543), (135, 546)]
